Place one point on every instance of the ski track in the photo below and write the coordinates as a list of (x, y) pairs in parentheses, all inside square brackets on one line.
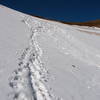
[(28, 80)]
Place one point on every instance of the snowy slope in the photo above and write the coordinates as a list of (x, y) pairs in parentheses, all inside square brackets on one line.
[(46, 60), (13, 40)]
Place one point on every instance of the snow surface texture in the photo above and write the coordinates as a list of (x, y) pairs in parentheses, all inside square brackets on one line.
[(52, 61), (27, 81)]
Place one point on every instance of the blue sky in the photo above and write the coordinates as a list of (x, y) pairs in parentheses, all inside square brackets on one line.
[(63, 10)]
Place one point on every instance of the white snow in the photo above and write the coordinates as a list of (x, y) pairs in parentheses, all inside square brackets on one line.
[(46, 60)]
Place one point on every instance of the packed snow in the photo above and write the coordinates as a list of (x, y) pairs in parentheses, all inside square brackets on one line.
[(46, 60)]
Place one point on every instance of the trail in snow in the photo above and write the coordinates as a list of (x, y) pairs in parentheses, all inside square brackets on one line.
[(66, 41), (28, 81)]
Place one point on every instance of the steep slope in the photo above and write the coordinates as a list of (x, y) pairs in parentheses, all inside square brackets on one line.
[(46, 60)]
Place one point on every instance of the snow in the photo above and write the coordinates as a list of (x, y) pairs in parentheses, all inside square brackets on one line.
[(46, 60), (13, 40)]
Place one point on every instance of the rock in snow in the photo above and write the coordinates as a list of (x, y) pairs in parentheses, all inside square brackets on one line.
[(46, 60)]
